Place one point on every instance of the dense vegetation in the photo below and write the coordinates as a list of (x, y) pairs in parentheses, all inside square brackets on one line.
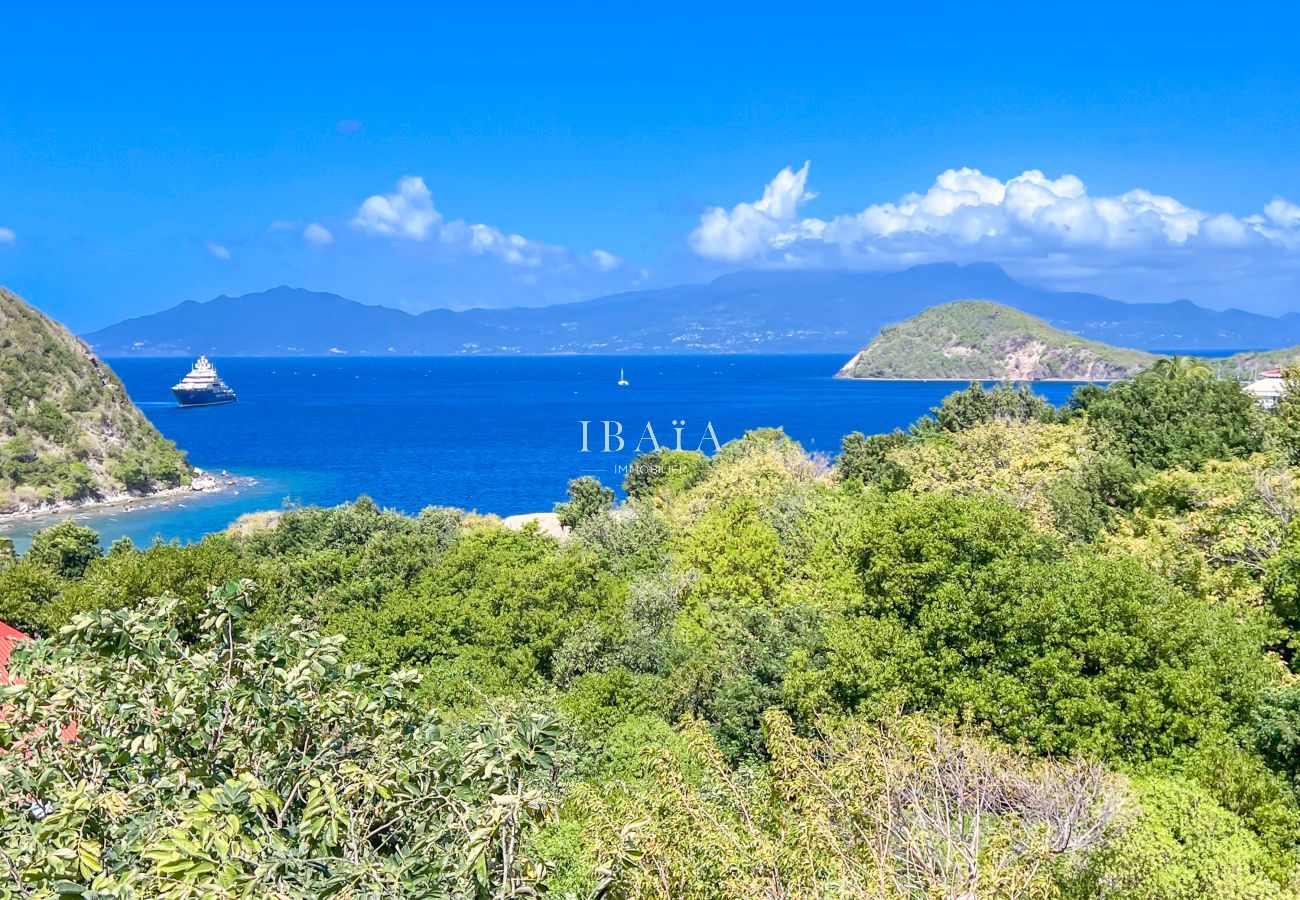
[(1014, 651), (986, 341), (979, 339), (68, 431)]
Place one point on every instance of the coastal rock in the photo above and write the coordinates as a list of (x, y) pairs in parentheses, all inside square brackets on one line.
[(547, 523), (204, 482)]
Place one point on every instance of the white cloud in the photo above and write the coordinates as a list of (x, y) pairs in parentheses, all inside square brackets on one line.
[(478, 263), (1053, 227), (7, 236), (1283, 213), (408, 213), (750, 230), (604, 260), (280, 225), (218, 251), (318, 234), (512, 249)]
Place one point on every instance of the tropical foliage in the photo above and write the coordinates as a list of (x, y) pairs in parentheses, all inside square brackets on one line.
[(254, 763), (1013, 651)]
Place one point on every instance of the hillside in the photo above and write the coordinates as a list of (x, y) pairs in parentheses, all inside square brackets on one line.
[(985, 341), (746, 312), (1247, 366), (68, 431)]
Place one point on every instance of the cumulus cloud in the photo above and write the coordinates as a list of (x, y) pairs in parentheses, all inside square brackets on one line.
[(407, 213), (481, 240), (7, 236), (482, 262), (218, 251), (1279, 213), (751, 230), (318, 234), (1053, 225)]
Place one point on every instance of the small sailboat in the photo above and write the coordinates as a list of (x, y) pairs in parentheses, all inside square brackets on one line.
[(622, 381)]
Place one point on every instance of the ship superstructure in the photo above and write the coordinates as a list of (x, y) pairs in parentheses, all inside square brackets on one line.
[(203, 386)]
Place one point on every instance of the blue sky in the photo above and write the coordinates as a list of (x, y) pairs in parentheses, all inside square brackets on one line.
[(421, 156)]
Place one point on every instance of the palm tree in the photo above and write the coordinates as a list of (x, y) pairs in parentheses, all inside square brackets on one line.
[(1179, 367)]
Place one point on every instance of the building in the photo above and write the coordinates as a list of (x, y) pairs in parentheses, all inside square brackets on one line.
[(8, 636), (1268, 388)]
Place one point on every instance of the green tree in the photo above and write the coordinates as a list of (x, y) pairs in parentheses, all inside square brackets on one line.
[(1219, 532), (487, 618), (1285, 423), (1181, 846), (256, 765), (867, 459), (1087, 500), (977, 405), (29, 598), (1276, 731), (732, 638), (965, 611), (856, 809), (664, 473), (1161, 420), (1176, 368), (588, 499), (67, 548)]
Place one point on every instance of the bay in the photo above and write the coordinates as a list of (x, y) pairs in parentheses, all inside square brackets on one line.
[(495, 434)]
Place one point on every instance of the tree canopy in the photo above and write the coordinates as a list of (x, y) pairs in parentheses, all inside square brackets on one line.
[(1012, 651)]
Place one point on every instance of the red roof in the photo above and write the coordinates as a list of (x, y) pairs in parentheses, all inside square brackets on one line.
[(8, 636)]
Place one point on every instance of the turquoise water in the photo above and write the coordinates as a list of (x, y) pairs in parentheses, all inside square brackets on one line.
[(499, 435)]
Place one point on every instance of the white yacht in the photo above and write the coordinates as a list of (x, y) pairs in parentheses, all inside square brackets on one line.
[(203, 386)]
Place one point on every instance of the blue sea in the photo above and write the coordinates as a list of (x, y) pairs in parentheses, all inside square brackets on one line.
[(494, 434)]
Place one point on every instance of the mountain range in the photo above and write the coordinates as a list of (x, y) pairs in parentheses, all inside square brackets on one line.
[(747, 312)]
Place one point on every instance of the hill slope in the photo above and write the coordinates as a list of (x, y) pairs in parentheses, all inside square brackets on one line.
[(68, 431), (748, 312), (985, 341)]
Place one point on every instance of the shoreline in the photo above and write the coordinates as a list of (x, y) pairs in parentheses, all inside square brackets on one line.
[(997, 380), (203, 483)]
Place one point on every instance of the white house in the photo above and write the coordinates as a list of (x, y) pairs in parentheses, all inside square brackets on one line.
[(1268, 388)]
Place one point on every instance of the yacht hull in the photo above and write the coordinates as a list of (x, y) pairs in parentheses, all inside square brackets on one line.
[(203, 397)]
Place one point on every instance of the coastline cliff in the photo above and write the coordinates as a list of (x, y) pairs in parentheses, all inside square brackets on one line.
[(69, 434)]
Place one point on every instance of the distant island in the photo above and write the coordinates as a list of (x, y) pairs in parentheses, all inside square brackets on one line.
[(68, 431), (745, 312), (979, 340)]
